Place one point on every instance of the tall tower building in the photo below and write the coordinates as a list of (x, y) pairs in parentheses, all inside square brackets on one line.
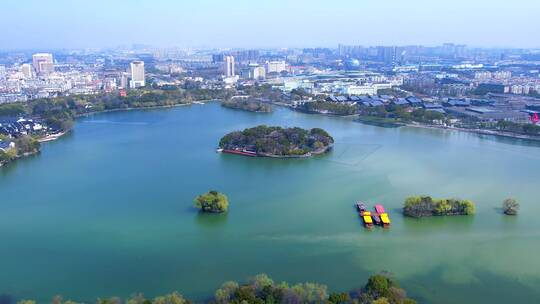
[(2, 72), (43, 63), (137, 74), (228, 62)]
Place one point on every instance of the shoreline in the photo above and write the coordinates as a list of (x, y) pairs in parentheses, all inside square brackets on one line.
[(58, 135), (423, 126), (303, 156), (53, 137), (2, 164), (198, 102), (476, 131)]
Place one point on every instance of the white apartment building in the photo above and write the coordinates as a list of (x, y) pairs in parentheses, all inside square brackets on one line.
[(137, 74)]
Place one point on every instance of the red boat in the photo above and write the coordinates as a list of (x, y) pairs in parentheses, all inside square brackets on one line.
[(379, 209), (240, 152)]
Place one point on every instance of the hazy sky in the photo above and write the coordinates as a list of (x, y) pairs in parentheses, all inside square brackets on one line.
[(48, 24)]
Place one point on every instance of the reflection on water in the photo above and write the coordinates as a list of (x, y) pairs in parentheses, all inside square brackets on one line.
[(510, 140), (211, 220), (434, 224)]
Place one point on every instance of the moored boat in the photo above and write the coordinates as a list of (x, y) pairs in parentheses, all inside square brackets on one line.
[(361, 207), (376, 219), (242, 152), (385, 219), (382, 217), (379, 209), (366, 217)]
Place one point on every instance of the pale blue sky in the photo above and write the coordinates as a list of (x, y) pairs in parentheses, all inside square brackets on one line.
[(49, 24)]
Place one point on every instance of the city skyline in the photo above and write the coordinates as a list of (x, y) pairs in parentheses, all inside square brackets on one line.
[(266, 24)]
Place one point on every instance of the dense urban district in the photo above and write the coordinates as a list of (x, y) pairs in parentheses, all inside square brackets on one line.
[(487, 91)]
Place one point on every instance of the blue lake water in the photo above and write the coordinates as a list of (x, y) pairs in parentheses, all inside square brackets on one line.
[(107, 210)]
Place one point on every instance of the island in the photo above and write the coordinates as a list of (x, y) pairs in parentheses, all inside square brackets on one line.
[(276, 142), (249, 105), (212, 202), (421, 206)]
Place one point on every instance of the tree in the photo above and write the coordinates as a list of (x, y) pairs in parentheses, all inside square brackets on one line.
[(26, 144), (468, 207), (510, 206), (137, 299), (260, 281), (8, 155), (224, 294), (339, 298), (173, 298), (212, 201), (311, 292), (378, 285), (57, 299), (381, 301), (113, 300)]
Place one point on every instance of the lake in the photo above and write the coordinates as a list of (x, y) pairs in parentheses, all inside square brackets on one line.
[(108, 210)]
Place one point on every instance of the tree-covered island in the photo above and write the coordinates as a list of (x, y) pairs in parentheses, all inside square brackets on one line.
[(421, 206), (277, 142), (249, 105), (212, 202)]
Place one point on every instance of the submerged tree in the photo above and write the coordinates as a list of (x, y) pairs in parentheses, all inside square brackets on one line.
[(212, 201), (510, 206)]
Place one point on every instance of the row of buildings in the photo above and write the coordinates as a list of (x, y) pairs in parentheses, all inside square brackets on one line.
[(483, 110), (251, 70), (42, 78)]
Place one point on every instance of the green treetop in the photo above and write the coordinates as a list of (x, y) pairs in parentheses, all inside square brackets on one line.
[(212, 201)]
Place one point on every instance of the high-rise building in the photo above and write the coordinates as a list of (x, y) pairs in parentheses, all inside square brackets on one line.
[(26, 70), (218, 58), (388, 54), (228, 66), (43, 63), (2, 72), (137, 74)]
